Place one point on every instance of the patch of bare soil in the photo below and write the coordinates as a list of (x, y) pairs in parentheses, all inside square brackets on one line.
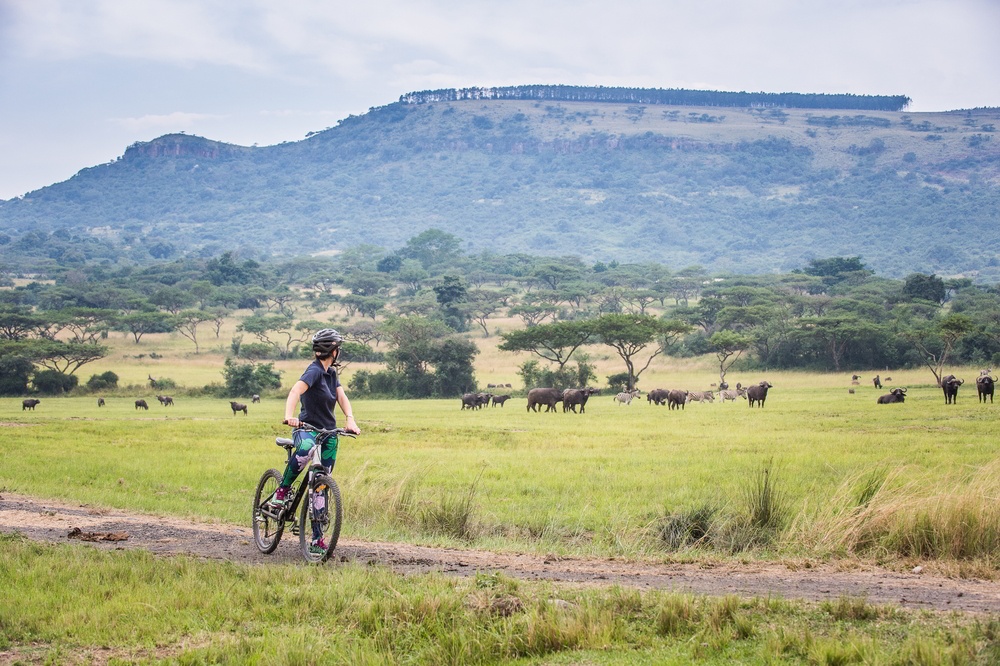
[(53, 521)]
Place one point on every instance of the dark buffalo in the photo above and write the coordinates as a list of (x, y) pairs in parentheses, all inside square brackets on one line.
[(500, 399), (893, 396), (475, 400), (255, 398), (877, 382), (950, 384), (985, 386), (238, 407), (657, 396), (676, 398), (544, 396), (165, 400), (100, 402), (29, 403), (758, 393), (141, 404), (574, 397)]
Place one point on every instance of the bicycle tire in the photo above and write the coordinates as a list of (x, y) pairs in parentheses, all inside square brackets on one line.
[(266, 530), (327, 522)]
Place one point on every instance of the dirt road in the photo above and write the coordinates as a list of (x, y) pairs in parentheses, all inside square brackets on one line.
[(47, 520)]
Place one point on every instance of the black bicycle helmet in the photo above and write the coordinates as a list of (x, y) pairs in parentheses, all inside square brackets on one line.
[(326, 341)]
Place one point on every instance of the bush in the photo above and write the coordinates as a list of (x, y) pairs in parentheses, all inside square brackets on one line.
[(165, 383), (257, 351), (105, 380), (15, 371), (535, 376), (53, 382), (249, 378), (617, 381)]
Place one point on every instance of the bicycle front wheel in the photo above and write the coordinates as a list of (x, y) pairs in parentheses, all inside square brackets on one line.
[(266, 528), (320, 518)]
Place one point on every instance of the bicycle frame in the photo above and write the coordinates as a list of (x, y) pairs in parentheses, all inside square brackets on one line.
[(314, 466)]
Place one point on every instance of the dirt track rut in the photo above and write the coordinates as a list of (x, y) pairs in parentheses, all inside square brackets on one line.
[(51, 521)]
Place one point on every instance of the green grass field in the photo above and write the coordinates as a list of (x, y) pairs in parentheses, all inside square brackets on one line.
[(80, 605), (846, 478), (601, 483)]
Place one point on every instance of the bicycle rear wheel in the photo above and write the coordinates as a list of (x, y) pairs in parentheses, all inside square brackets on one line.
[(320, 518), (266, 529)]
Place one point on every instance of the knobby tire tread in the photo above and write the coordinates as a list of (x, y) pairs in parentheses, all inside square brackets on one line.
[(336, 510), (263, 546)]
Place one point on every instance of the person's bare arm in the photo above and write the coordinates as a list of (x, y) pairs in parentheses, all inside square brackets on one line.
[(345, 406), (298, 388)]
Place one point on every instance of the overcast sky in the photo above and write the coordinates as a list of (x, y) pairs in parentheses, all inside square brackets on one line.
[(82, 79)]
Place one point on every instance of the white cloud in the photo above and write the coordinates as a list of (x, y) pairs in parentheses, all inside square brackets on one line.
[(266, 71)]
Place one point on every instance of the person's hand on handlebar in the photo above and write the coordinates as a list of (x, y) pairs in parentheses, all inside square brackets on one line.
[(294, 422), (351, 426)]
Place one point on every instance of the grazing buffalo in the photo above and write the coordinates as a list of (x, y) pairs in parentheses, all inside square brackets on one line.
[(950, 384), (676, 398), (893, 396), (29, 403), (657, 396), (500, 399), (100, 402), (475, 400), (758, 393), (985, 386), (165, 400), (255, 398), (238, 407), (544, 396), (574, 397), (141, 404)]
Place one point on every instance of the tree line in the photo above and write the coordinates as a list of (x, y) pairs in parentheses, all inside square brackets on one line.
[(668, 96), (417, 310)]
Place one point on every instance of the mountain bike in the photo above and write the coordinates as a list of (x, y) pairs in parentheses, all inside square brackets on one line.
[(316, 500)]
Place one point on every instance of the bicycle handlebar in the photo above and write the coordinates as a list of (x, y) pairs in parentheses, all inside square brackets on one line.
[(336, 432)]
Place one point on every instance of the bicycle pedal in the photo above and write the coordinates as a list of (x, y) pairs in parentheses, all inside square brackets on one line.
[(295, 529)]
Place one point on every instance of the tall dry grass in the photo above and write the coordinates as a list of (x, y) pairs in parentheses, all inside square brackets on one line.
[(881, 514)]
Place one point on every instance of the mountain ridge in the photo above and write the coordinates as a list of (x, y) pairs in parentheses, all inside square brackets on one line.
[(731, 189)]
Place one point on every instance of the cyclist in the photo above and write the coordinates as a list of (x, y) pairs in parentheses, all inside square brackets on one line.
[(317, 389)]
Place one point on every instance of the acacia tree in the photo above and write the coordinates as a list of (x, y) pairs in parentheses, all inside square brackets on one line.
[(632, 334), (481, 306), (936, 341), (275, 330), (67, 357), (727, 345), (836, 334), (187, 323), (554, 342), (82, 324), (141, 323)]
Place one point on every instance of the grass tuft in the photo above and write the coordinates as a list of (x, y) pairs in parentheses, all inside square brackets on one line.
[(690, 527), (452, 516)]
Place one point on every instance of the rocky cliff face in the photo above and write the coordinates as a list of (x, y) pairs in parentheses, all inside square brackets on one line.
[(183, 145)]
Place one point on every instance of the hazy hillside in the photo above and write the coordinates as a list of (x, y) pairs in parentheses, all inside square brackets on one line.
[(741, 189)]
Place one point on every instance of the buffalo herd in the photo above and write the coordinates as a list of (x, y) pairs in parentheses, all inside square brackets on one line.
[(547, 398)]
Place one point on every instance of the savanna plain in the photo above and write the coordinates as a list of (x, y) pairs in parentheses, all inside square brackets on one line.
[(818, 475)]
